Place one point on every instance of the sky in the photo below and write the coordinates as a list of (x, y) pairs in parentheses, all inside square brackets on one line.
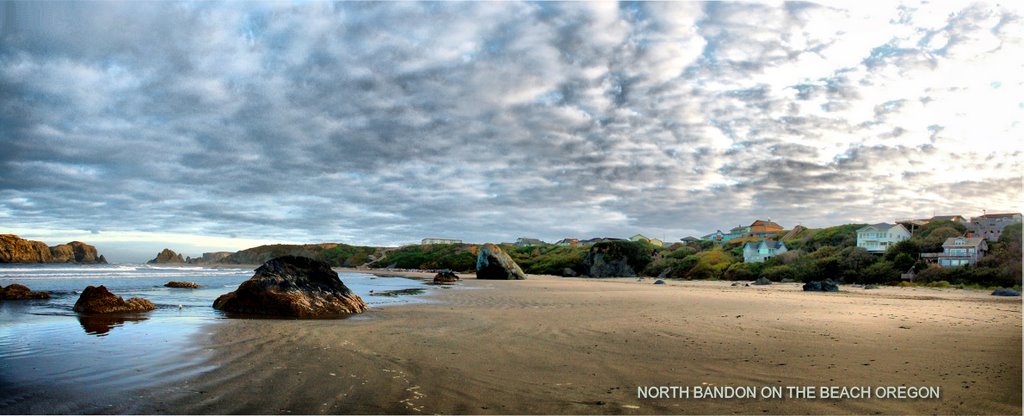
[(206, 126)]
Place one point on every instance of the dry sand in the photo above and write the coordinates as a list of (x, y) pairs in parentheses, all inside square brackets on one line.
[(557, 345)]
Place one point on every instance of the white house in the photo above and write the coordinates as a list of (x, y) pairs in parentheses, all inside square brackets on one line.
[(763, 250), (877, 238)]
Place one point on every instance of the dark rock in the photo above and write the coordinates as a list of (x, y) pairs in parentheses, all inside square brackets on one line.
[(761, 281), (446, 276), (492, 263), (616, 259), (398, 292), (826, 285), (75, 252), (19, 292), (167, 256), (101, 260), (100, 300), (735, 284), (568, 272), (659, 282), (870, 286), (1005, 292), (183, 285), (295, 287)]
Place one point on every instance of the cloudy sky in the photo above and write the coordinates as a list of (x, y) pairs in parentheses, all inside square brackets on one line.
[(202, 126)]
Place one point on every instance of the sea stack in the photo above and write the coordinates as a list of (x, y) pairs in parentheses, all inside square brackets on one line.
[(167, 256), (292, 286), (493, 263), (100, 300)]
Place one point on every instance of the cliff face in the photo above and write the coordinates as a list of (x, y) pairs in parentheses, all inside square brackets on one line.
[(14, 249), (210, 257), (263, 254), (167, 256)]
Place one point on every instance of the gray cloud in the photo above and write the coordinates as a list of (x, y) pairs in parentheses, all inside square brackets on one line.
[(382, 123)]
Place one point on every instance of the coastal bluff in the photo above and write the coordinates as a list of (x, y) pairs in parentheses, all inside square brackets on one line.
[(292, 286), (14, 249)]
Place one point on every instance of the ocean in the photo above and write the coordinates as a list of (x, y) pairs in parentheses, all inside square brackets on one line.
[(52, 360)]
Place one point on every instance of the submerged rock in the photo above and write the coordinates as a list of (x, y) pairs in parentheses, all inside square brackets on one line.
[(492, 263), (826, 285), (446, 276), (20, 292), (293, 286), (183, 285), (100, 300), (1005, 292)]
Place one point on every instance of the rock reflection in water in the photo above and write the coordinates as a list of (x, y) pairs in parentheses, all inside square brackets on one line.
[(100, 325)]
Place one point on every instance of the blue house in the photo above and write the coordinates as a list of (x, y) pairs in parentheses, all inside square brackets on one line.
[(763, 250)]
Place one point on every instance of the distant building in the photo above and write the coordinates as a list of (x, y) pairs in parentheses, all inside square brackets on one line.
[(656, 242), (715, 236), (639, 237), (961, 251), (764, 229), (877, 238), (736, 232), (528, 242), (568, 242), (757, 252), (427, 241), (598, 240), (990, 226)]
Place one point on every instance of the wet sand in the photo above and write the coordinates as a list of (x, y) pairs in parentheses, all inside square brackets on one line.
[(555, 345)]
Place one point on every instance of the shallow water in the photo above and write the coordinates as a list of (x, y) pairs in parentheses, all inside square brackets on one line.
[(53, 360)]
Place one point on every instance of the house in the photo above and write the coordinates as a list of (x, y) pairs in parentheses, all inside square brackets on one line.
[(757, 252), (736, 232), (568, 242), (656, 242), (427, 241), (715, 236), (529, 242), (877, 238), (990, 226), (961, 251), (764, 229), (640, 237)]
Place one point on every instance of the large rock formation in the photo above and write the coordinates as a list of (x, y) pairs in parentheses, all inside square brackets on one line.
[(18, 292), (615, 259), (14, 249), (167, 256), (293, 286), (76, 252), (100, 300), (493, 263)]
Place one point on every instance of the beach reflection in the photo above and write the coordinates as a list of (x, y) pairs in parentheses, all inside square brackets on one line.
[(100, 325)]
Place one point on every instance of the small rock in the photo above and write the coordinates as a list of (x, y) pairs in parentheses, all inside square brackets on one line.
[(100, 300), (446, 276), (1005, 292), (659, 282), (19, 292), (761, 281), (183, 285), (826, 285)]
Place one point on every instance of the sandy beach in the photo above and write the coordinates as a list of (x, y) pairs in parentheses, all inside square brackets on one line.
[(558, 345)]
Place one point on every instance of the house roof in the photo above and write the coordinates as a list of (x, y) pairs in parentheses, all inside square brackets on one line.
[(765, 223), (968, 242), (768, 243), (946, 217), (1000, 215), (880, 226)]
